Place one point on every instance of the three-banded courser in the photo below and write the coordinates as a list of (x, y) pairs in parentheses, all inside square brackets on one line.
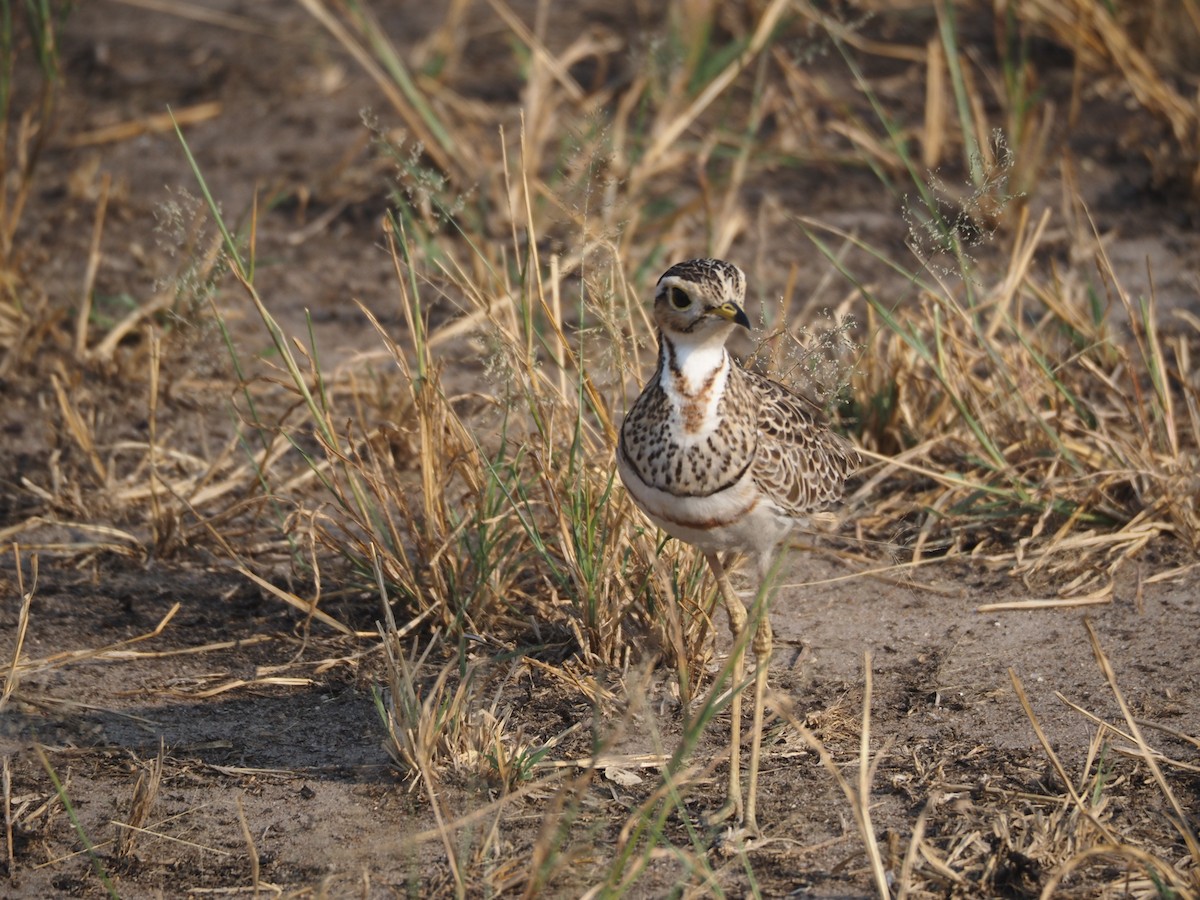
[(726, 460)]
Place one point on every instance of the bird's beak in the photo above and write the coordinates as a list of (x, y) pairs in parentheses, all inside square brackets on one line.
[(733, 313)]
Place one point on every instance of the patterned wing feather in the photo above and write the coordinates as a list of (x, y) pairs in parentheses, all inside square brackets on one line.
[(801, 464)]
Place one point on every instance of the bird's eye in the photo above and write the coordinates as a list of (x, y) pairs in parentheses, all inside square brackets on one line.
[(679, 298)]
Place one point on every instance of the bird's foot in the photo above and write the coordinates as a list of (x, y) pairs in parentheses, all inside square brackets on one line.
[(738, 835), (737, 838)]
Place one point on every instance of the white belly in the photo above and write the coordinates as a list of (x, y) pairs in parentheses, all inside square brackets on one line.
[(737, 518)]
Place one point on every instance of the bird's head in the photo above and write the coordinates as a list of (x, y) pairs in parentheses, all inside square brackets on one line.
[(700, 300)]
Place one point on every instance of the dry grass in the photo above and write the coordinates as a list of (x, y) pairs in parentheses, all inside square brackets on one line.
[(1020, 413), (1082, 444), (1147, 48)]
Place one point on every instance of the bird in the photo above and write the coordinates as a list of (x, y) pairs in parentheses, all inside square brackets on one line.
[(728, 461)]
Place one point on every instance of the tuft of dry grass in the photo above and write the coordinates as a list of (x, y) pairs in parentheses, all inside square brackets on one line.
[(1019, 409), (27, 118), (141, 803), (1146, 49), (858, 795)]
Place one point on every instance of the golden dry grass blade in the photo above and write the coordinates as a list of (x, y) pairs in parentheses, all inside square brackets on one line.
[(564, 345), (78, 429), (862, 809), (84, 313), (1127, 851), (544, 56), (309, 609), (1061, 771), (234, 684), (1104, 597), (160, 836), (850, 34), (904, 884), (650, 164), (155, 123), (437, 151), (539, 786), (6, 785), (1107, 726), (1174, 732), (141, 803), (251, 849), (107, 652), (1134, 752), (934, 135), (150, 831), (196, 13), (11, 679), (1180, 820), (427, 778), (213, 647), (859, 796)]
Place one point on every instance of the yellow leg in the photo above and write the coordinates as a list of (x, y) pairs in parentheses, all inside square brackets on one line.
[(763, 641), (737, 625)]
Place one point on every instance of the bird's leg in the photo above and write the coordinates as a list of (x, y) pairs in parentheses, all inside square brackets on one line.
[(763, 640), (737, 625), (763, 644)]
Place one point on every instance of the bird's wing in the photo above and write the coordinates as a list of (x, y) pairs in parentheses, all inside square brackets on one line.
[(801, 464)]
